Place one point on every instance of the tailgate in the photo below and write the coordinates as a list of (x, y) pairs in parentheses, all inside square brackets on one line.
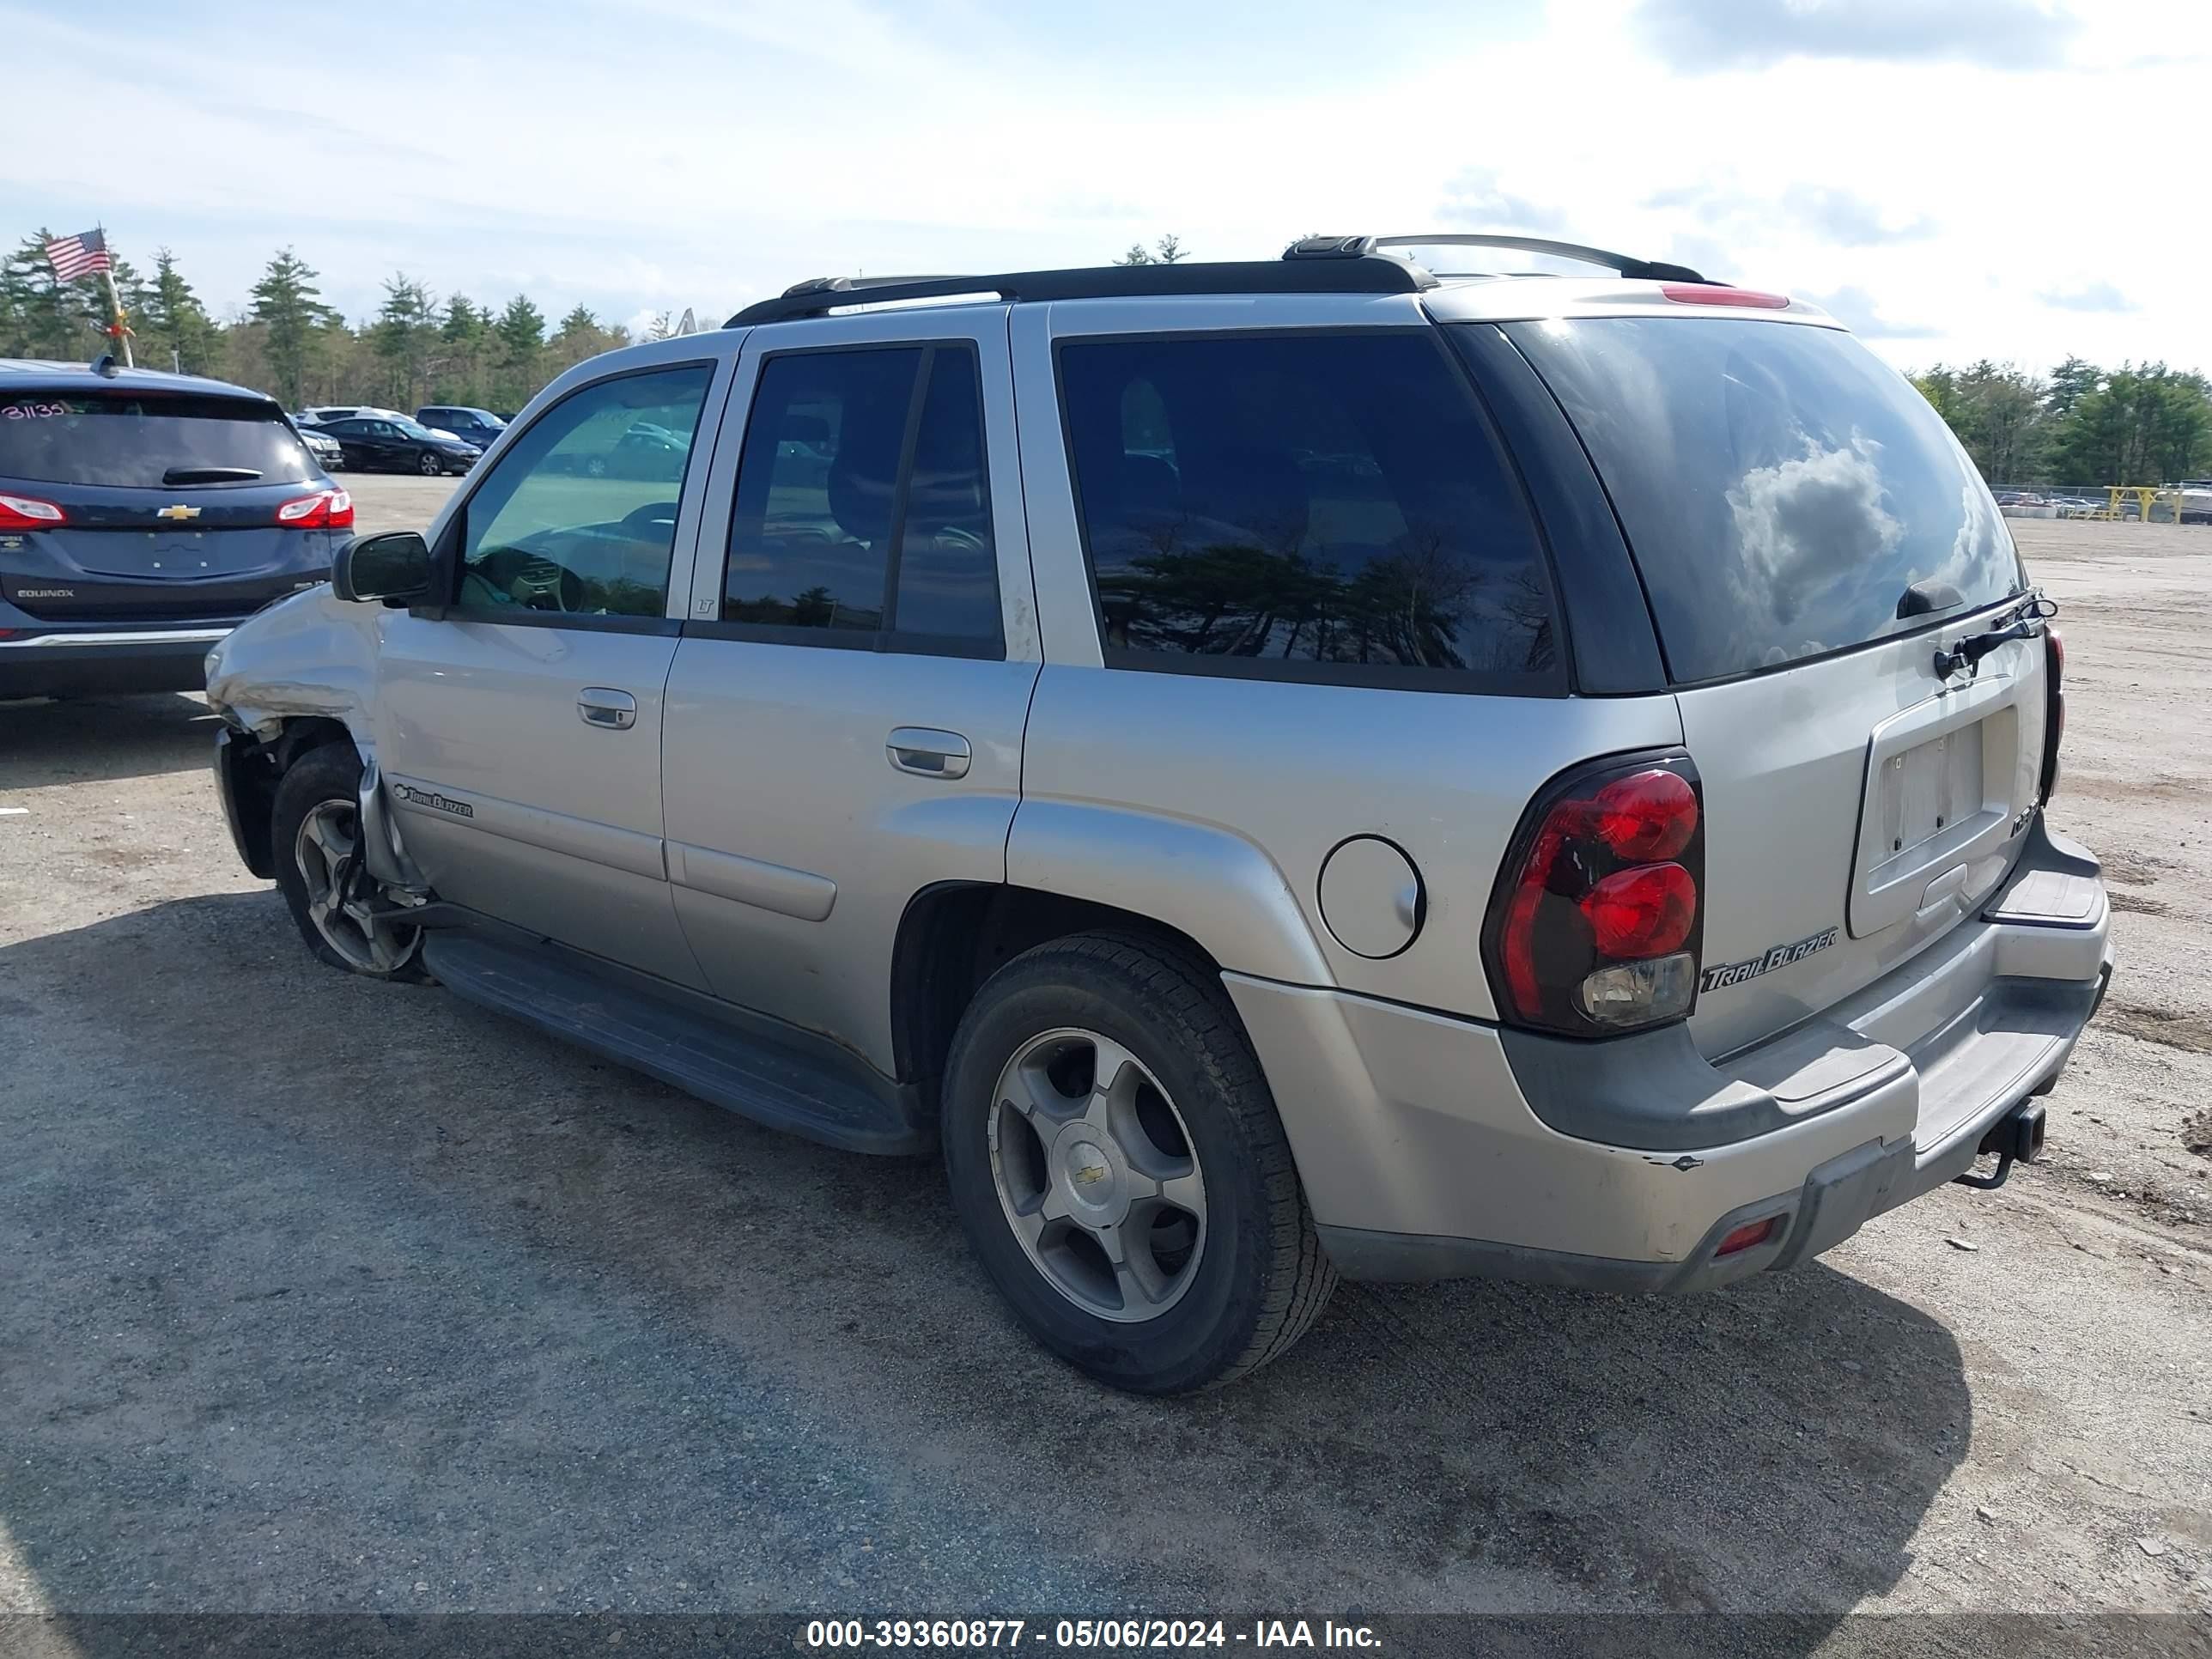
[(1809, 535), (1855, 812)]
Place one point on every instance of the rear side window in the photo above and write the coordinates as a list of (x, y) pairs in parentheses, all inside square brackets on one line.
[(1307, 506), (1786, 494), (138, 440), (862, 505)]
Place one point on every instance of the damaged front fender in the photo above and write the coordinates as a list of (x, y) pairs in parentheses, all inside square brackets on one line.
[(278, 679), (312, 655)]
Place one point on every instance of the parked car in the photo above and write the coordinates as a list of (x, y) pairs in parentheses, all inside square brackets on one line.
[(480, 427), (645, 450), (142, 515), (321, 444), (322, 415), (396, 444), (1402, 777)]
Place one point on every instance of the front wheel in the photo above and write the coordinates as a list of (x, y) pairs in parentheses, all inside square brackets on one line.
[(315, 831), (429, 465), (1118, 1168)]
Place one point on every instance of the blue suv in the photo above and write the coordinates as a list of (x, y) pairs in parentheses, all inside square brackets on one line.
[(142, 515)]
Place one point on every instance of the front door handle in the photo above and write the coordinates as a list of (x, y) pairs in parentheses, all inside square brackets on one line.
[(602, 705), (927, 752)]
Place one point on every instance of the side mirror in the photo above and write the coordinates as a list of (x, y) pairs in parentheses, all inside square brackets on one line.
[(393, 568)]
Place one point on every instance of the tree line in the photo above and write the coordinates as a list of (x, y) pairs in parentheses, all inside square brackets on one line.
[(2141, 423), (2080, 423), (419, 347)]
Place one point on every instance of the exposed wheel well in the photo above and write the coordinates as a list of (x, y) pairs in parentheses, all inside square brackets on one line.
[(255, 768), (955, 936)]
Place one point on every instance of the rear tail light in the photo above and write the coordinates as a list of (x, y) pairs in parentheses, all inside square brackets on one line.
[(327, 510), (2054, 709), (1719, 293), (1596, 924), (28, 512)]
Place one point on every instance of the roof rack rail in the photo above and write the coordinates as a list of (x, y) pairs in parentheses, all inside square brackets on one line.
[(828, 284), (823, 294), (1625, 264)]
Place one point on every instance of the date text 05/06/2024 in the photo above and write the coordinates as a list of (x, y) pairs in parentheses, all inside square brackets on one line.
[(831, 1635)]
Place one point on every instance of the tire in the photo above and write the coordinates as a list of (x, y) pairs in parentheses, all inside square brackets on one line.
[(323, 785), (1219, 1290), (428, 465)]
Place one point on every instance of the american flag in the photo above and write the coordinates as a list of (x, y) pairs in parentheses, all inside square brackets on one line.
[(80, 255)]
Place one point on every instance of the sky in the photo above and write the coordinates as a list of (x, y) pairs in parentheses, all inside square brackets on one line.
[(2018, 180)]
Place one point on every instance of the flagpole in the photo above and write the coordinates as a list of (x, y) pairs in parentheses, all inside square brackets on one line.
[(115, 304)]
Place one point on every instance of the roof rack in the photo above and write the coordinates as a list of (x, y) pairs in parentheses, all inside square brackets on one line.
[(1314, 265), (1374, 274), (1625, 264)]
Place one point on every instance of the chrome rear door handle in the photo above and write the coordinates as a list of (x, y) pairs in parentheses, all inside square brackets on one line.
[(929, 753), (602, 705)]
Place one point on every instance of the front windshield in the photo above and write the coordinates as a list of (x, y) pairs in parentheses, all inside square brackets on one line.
[(414, 429)]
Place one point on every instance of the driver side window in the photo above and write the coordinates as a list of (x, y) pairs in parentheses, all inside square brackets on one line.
[(579, 518)]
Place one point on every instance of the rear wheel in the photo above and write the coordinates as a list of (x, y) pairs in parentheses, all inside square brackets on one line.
[(1118, 1168), (315, 832)]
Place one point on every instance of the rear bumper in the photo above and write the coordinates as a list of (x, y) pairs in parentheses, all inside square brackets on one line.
[(1430, 1146), (72, 663)]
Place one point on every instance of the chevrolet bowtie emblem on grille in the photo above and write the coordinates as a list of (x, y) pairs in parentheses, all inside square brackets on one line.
[(179, 511)]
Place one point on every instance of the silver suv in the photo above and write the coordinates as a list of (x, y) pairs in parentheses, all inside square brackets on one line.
[(1282, 770)]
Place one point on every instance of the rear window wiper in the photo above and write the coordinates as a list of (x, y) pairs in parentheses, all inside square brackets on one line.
[(185, 475), (2023, 622)]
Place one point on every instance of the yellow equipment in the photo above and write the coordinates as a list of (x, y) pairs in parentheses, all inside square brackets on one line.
[(2145, 497)]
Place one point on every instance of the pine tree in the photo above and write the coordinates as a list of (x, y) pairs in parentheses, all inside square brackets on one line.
[(174, 328), (459, 378), (402, 339), (1167, 251), (295, 324), (580, 336), (521, 332)]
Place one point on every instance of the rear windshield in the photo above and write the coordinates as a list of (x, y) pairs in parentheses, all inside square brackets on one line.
[(1781, 487), (140, 442)]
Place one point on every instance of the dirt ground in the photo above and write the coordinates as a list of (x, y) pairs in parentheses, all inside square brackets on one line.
[(320, 1295)]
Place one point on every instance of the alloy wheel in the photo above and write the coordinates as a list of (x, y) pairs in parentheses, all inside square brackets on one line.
[(340, 900), (1096, 1175)]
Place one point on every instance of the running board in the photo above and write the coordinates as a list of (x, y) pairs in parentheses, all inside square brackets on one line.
[(683, 1039)]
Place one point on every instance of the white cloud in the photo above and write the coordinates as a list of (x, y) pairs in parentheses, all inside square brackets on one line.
[(2089, 296), (1699, 36), (1801, 519), (1861, 312)]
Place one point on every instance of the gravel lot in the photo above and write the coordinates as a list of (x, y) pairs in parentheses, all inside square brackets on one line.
[(323, 1295)]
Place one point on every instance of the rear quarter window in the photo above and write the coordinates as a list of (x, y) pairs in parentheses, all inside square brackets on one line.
[(1781, 488), (1307, 506), (134, 440)]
